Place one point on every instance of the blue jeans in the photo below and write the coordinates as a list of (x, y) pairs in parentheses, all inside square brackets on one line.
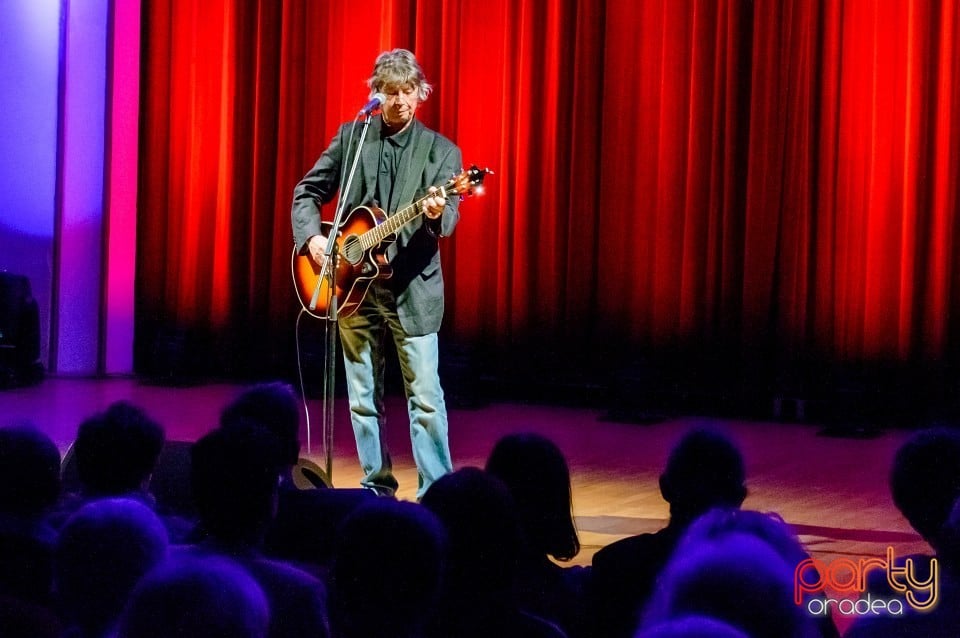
[(362, 337)]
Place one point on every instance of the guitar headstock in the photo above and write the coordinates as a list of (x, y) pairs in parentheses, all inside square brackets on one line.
[(468, 182)]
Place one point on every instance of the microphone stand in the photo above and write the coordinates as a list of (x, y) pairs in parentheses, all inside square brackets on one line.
[(329, 271)]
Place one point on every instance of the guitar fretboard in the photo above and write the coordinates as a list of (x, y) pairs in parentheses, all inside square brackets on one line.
[(395, 222)]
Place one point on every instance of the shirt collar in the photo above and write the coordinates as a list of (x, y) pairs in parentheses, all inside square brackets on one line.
[(400, 139)]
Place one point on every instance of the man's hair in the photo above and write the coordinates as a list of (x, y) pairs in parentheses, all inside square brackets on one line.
[(104, 548), (117, 449), (705, 469), (535, 471), (272, 406), (234, 474), (483, 531), (925, 479), (401, 600), (398, 67), (29, 470), (206, 596), (733, 574)]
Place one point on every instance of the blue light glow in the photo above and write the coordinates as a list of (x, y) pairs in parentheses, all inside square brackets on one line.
[(29, 61)]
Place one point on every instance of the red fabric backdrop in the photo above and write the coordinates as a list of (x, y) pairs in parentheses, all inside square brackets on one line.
[(756, 177)]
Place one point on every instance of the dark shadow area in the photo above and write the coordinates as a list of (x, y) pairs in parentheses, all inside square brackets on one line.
[(19, 333), (629, 384)]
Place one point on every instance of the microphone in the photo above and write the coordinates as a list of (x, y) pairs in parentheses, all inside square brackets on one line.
[(373, 105)]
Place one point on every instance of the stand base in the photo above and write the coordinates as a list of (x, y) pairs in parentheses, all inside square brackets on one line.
[(307, 475)]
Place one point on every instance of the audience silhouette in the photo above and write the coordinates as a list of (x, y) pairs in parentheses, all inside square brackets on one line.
[(692, 627), (207, 597), (704, 470), (117, 450), (115, 454), (485, 536), (235, 473), (925, 480), (736, 566), (305, 526), (711, 573), (104, 549), (272, 406), (925, 485), (535, 472), (386, 576), (29, 487), (483, 555)]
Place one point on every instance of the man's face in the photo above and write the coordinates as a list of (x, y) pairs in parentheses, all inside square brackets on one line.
[(402, 102)]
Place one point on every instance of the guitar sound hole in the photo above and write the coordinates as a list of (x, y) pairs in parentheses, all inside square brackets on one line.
[(351, 249)]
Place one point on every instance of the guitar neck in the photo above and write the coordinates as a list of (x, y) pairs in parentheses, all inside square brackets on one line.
[(398, 220)]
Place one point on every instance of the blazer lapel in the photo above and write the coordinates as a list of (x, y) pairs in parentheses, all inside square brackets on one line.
[(418, 149)]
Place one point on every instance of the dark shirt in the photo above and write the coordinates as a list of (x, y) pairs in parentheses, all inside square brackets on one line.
[(304, 530), (26, 558), (393, 148), (624, 574)]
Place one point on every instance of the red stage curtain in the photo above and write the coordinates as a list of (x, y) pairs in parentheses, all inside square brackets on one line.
[(775, 177)]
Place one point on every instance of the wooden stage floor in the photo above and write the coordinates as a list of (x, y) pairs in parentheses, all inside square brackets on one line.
[(832, 490)]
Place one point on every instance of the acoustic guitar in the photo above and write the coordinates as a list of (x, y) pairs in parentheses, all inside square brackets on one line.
[(361, 243)]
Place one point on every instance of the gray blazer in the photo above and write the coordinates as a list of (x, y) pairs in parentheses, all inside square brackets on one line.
[(429, 160)]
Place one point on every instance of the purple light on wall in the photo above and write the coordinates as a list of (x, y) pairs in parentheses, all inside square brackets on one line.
[(55, 73), (77, 273), (29, 76), (29, 60)]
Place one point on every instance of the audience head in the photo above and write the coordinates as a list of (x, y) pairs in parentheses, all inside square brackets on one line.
[(208, 597), (117, 450), (692, 627), (29, 471), (704, 470), (29, 487), (925, 480), (949, 550), (738, 567), (378, 588), (535, 471), (105, 547), (234, 474), (483, 530), (766, 526), (272, 406)]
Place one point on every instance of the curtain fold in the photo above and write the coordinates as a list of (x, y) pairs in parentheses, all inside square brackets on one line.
[(772, 181)]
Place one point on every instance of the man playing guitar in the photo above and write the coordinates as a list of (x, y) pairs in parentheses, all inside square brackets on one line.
[(400, 161)]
